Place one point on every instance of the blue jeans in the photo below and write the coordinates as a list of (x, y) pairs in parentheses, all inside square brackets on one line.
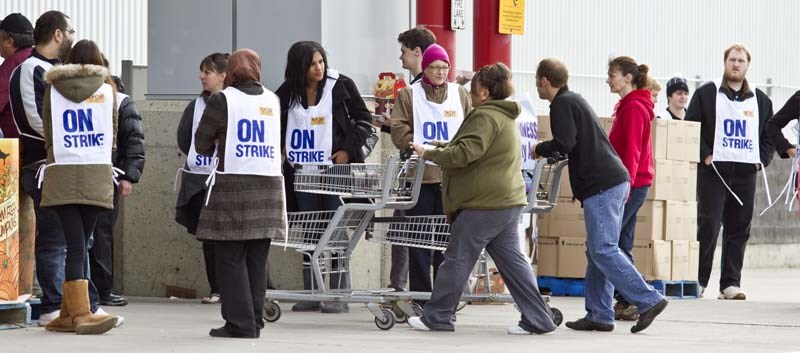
[(608, 267), (50, 249), (635, 201)]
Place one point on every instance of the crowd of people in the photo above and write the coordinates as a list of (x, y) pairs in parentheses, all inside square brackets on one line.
[(83, 148)]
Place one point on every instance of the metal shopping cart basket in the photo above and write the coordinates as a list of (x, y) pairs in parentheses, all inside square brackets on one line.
[(432, 232), (327, 238)]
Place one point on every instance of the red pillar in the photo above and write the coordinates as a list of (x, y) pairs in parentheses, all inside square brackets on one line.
[(488, 45), (435, 16)]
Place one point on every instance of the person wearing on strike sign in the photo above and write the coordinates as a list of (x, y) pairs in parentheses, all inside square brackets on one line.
[(429, 111), (79, 118), (324, 121), (195, 171), (245, 203), (733, 147)]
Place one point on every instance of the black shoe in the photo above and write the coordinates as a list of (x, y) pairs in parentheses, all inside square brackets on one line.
[(585, 324), (307, 306), (646, 318), (113, 300), (224, 333), (335, 308)]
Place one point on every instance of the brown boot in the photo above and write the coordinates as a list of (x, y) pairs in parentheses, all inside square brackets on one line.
[(63, 323), (76, 295)]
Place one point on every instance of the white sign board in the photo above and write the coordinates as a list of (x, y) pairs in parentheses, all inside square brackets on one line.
[(458, 14)]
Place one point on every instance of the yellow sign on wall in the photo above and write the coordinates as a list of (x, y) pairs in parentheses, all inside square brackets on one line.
[(512, 17)]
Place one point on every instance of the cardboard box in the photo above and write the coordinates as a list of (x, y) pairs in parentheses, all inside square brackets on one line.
[(542, 225), (690, 220), (662, 181), (543, 128), (658, 133), (683, 139), (566, 219), (9, 220), (680, 260), (547, 257), (572, 257), (680, 220), (694, 260), (650, 221), (606, 123), (496, 284), (653, 259), (684, 181), (565, 189)]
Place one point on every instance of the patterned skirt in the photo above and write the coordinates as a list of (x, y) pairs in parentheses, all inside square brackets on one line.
[(244, 207)]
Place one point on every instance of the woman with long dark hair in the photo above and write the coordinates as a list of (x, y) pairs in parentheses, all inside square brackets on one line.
[(79, 117), (318, 101), (213, 69)]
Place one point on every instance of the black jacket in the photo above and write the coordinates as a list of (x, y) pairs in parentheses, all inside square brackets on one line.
[(27, 81), (593, 165), (185, 125), (129, 155), (350, 132), (789, 112), (703, 108)]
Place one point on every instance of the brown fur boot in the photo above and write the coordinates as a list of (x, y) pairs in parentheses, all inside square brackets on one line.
[(76, 295), (63, 323)]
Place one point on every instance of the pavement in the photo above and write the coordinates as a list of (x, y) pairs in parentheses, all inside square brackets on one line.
[(769, 321)]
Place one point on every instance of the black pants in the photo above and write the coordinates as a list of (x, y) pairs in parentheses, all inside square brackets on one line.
[(79, 222), (242, 270), (716, 206), (421, 260), (101, 254)]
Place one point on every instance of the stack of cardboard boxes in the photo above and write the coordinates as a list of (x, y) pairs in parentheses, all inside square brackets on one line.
[(666, 225)]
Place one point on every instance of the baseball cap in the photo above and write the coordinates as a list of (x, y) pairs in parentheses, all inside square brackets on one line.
[(16, 23)]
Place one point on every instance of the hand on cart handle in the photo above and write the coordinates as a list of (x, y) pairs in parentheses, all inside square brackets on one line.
[(555, 158), (419, 149), (406, 153)]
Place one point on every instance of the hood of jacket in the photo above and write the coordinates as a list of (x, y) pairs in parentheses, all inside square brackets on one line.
[(76, 82), (641, 96), (511, 109)]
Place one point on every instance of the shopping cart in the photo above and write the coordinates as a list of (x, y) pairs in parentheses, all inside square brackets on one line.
[(432, 232), (327, 238)]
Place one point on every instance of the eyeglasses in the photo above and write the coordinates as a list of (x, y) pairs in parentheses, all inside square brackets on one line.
[(70, 30), (439, 68)]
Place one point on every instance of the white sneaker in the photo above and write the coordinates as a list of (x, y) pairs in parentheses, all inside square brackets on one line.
[(45, 319), (516, 330), (702, 292), (417, 324), (120, 319), (732, 293)]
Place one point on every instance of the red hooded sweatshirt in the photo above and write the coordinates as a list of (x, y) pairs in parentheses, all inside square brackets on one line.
[(630, 136)]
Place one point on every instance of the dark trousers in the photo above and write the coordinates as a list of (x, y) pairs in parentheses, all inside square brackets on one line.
[(49, 248), (421, 260), (211, 271), (635, 201), (78, 222), (716, 206), (242, 269), (306, 202), (495, 230), (101, 253)]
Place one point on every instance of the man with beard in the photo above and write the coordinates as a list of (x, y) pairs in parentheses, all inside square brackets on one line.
[(53, 36), (734, 146)]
